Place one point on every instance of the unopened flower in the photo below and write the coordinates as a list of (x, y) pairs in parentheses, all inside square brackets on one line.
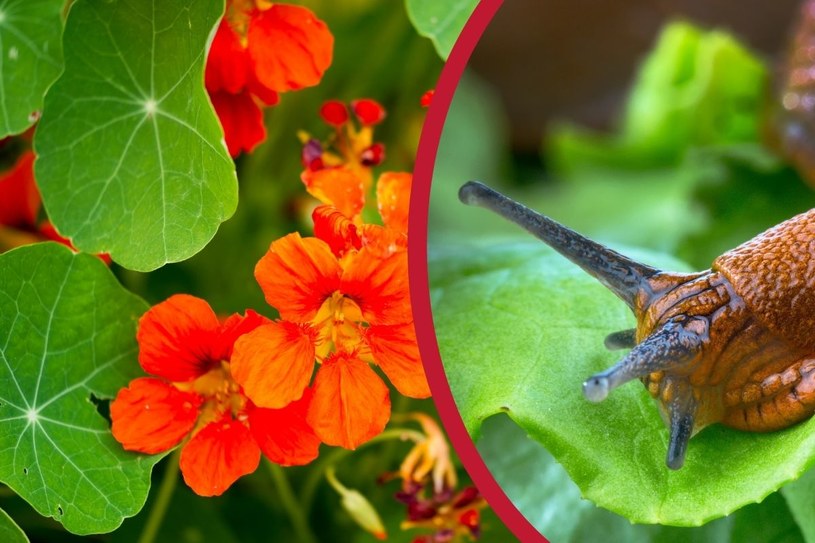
[(358, 507), (351, 147), (193, 397)]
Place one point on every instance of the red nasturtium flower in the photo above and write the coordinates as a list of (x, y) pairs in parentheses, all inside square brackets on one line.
[(195, 394), (259, 50)]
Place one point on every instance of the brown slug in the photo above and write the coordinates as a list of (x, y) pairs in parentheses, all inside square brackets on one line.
[(734, 344)]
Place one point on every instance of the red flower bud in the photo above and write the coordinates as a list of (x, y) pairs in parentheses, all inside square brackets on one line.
[(426, 98), (334, 113), (369, 112), (373, 155)]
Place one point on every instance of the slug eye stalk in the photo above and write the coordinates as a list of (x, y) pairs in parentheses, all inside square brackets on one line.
[(620, 274)]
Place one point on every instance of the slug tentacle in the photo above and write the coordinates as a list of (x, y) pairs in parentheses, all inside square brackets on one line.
[(675, 344), (681, 413), (624, 339), (623, 276)]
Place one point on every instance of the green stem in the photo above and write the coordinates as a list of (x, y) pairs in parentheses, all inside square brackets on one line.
[(294, 509), (316, 473), (165, 493)]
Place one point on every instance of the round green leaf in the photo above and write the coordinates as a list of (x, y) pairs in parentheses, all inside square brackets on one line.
[(543, 492), (132, 160), (442, 22), (9, 531), (67, 340), (519, 329), (30, 59)]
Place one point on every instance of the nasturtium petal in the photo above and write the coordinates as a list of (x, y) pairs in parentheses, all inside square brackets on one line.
[(274, 363), (393, 199), (379, 285), (351, 404), (227, 63), (9, 531), (519, 329), (153, 416), (21, 200), (284, 435), (336, 229), (30, 59), (131, 155), (178, 338), (289, 46), (241, 119), (67, 340), (442, 22), (339, 186), (217, 456), (396, 352), (234, 327), (297, 275)]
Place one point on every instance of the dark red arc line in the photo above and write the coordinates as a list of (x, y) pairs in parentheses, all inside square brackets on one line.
[(420, 288)]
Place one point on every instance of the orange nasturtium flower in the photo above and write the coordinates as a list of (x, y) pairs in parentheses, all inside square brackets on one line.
[(259, 50), (342, 296), (194, 398)]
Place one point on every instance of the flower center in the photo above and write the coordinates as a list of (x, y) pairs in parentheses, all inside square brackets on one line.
[(337, 325), (221, 395)]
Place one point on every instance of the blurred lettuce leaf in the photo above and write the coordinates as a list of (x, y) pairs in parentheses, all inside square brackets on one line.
[(519, 328), (695, 88), (740, 190)]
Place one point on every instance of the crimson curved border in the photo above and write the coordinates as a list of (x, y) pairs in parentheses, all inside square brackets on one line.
[(419, 285)]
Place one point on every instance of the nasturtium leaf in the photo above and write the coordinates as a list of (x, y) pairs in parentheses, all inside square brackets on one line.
[(543, 492), (67, 341), (131, 155), (519, 329), (30, 59), (442, 22), (800, 496), (9, 531)]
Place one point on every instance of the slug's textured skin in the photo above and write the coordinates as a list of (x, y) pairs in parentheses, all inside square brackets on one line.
[(775, 274), (734, 344)]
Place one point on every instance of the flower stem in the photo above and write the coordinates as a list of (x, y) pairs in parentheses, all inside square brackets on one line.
[(165, 493), (326, 462), (294, 509)]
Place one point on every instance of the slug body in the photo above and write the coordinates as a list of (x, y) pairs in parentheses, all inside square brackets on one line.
[(734, 344)]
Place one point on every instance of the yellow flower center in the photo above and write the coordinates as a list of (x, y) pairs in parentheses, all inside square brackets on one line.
[(337, 323), (221, 395)]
